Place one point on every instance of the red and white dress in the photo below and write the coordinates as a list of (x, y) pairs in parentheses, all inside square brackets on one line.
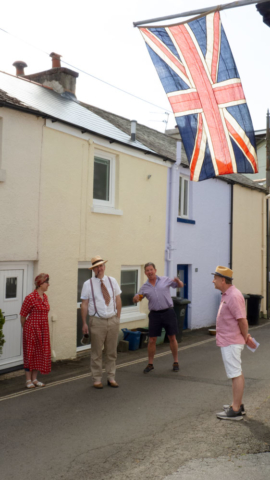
[(36, 335)]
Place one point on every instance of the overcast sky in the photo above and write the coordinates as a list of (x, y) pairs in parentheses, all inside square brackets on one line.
[(99, 37)]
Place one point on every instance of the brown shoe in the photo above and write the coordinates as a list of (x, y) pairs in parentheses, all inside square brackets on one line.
[(113, 384), (98, 385)]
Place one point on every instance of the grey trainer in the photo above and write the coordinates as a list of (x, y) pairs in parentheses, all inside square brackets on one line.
[(243, 411), (230, 414)]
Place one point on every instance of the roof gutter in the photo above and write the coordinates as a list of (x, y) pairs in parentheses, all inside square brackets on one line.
[(38, 113)]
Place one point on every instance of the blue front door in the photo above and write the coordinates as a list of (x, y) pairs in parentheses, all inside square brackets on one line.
[(182, 273)]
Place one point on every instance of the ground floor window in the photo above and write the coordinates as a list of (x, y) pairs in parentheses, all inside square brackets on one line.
[(130, 284)]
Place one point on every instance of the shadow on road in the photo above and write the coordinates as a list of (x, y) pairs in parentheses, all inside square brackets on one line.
[(259, 430)]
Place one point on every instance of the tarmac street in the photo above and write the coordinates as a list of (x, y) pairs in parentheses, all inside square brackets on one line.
[(160, 425)]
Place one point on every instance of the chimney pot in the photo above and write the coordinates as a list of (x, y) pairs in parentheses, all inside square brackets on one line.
[(20, 66), (56, 62)]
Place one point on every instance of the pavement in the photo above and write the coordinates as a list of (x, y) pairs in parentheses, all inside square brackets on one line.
[(156, 426)]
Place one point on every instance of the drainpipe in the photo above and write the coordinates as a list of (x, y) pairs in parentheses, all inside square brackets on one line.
[(267, 205), (133, 127), (231, 228), (173, 185), (267, 254)]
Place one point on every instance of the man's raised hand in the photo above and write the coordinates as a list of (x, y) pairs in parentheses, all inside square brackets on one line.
[(176, 280)]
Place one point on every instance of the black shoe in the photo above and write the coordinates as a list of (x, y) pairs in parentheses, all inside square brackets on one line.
[(149, 367), (243, 411), (175, 367), (230, 414)]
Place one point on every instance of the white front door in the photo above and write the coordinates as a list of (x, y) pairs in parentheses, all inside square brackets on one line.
[(11, 296)]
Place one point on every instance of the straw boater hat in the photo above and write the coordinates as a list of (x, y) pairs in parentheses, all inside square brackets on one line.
[(223, 272), (96, 261)]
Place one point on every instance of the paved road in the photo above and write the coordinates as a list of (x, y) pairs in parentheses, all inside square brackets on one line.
[(245, 467), (150, 427)]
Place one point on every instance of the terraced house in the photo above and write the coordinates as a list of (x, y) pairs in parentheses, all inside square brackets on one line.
[(75, 182), (72, 186)]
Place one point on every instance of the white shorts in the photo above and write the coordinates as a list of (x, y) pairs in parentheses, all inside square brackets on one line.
[(231, 357)]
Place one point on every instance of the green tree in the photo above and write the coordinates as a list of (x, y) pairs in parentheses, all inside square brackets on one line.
[(2, 339)]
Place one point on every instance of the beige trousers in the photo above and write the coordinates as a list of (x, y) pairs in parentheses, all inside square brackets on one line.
[(104, 331)]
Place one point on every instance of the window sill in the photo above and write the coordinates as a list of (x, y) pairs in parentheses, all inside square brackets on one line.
[(106, 210), (2, 175), (131, 317), (185, 220), (83, 348)]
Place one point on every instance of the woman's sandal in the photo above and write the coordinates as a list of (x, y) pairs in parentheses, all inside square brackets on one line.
[(38, 384), (29, 384)]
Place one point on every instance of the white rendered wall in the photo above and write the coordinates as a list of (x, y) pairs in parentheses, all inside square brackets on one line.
[(21, 140), (203, 245)]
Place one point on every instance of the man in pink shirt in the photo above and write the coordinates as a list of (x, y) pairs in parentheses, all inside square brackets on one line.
[(231, 335)]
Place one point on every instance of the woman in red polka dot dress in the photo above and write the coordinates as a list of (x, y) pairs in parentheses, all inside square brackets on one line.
[(36, 335)]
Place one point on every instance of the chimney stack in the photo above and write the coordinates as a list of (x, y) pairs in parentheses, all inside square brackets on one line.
[(60, 79), (20, 66)]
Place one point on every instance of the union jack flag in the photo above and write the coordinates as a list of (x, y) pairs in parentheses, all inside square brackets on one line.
[(199, 75)]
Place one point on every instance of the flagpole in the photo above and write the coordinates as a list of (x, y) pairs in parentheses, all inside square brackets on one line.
[(226, 6)]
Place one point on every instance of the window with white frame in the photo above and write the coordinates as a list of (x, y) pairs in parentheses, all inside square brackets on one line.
[(104, 179), (130, 281), (183, 204)]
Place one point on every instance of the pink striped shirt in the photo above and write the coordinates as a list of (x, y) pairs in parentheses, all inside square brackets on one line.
[(231, 309)]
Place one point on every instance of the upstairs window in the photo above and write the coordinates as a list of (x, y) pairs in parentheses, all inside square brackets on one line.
[(104, 179), (183, 204)]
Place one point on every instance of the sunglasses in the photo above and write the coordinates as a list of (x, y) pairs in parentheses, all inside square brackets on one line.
[(46, 281)]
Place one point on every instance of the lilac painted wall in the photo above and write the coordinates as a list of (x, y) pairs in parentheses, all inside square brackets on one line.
[(203, 245)]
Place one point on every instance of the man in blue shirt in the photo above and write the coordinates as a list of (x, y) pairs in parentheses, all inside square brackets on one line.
[(162, 314)]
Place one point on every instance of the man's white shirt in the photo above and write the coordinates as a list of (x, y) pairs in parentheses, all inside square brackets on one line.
[(103, 310)]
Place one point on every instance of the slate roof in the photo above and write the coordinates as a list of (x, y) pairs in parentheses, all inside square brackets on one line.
[(165, 145), (31, 97), (23, 94), (159, 142)]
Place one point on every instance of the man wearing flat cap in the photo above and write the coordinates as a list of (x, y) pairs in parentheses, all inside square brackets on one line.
[(101, 299), (231, 336)]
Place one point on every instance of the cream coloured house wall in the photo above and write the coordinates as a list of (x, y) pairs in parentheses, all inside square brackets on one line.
[(19, 193), (249, 250), (69, 232)]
